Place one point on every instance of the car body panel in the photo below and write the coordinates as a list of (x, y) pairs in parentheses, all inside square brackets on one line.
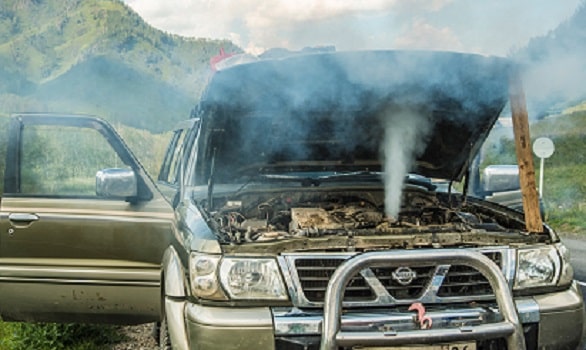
[(249, 328), (84, 228)]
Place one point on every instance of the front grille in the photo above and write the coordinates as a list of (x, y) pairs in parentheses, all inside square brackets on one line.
[(413, 290), (465, 281), (313, 274)]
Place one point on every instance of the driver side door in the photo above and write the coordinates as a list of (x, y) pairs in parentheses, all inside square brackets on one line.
[(70, 253)]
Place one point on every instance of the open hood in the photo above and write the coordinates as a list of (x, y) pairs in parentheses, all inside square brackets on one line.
[(329, 111)]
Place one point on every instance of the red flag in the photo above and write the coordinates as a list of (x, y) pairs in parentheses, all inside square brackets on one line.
[(218, 58)]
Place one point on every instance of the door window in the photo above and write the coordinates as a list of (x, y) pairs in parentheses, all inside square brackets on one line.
[(63, 161), (178, 151), (170, 173)]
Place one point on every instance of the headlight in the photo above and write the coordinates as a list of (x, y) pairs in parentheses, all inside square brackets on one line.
[(216, 278), (567, 273), (252, 278), (203, 272), (537, 267)]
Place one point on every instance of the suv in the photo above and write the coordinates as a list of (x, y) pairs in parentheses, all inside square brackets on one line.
[(293, 210)]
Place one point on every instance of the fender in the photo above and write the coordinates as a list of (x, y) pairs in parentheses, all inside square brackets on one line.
[(173, 274), (174, 298)]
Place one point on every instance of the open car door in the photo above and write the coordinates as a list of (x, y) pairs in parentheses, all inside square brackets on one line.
[(82, 227)]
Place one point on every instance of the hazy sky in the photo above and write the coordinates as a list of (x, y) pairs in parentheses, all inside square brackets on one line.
[(481, 26)]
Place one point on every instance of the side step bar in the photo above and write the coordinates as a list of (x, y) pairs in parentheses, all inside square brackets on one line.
[(333, 336)]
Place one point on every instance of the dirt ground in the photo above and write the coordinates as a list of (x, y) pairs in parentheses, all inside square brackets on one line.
[(139, 338)]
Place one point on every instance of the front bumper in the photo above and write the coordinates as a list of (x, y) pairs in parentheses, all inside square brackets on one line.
[(229, 328), (550, 321), (547, 321), (562, 319)]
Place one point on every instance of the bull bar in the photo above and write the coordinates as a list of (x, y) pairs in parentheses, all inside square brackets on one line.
[(333, 336)]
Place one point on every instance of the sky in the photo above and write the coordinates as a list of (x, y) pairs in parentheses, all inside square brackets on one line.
[(489, 27)]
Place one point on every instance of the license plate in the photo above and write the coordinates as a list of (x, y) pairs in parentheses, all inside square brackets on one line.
[(450, 346)]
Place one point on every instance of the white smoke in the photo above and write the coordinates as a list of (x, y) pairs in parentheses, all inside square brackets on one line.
[(556, 80), (553, 67), (405, 137)]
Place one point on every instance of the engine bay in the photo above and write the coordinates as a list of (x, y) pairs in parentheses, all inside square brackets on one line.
[(257, 216)]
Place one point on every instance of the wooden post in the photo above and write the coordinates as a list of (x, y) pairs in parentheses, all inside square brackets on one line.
[(533, 222)]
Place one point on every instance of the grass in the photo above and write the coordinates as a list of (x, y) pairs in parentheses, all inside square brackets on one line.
[(56, 336), (564, 177), (564, 196)]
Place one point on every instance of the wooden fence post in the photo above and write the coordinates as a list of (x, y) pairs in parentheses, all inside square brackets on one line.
[(533, 222)]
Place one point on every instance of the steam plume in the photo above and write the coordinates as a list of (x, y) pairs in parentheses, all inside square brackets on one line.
[(405, 138)]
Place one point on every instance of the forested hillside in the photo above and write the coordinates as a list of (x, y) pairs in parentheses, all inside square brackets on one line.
[(98, 57)]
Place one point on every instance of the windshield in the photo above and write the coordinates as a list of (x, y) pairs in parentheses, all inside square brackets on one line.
[(279, 143)]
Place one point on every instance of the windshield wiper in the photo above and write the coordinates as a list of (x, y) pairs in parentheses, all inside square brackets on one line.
[(377, 176), (307, 181), (354, 175)]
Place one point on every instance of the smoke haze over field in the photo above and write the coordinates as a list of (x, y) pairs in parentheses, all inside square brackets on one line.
[(555, 83), (554, 66)]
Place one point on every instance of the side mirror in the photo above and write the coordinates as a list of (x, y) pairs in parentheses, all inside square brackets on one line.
[(116, 183), (501, 178)]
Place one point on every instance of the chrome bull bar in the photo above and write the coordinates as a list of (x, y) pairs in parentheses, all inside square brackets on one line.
[(333, 336)]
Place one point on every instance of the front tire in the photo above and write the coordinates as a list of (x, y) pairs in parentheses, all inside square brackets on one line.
[(164, 339)]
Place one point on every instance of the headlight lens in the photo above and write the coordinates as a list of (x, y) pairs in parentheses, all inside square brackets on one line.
[(216, 278), (203, 276), (537, 267), (252, 278), (567, 272)]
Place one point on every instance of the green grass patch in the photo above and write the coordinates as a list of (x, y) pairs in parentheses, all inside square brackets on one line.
[(564, 175), (572, 220), (56, 336)]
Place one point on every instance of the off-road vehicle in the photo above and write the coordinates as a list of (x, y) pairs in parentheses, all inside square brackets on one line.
[(295, 209)]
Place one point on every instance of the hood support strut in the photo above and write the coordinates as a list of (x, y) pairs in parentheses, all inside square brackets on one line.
[(520, 118)]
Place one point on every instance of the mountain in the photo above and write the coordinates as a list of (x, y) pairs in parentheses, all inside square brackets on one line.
[(554, 66), (99, 57)]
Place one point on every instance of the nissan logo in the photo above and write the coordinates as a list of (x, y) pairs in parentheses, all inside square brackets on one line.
[(404, 275)]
